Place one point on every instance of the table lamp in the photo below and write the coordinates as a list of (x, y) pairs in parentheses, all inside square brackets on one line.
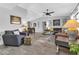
[(50, 28), (72, 26), (25, 27)]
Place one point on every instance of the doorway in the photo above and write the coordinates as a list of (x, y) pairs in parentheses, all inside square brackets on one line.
[(44, 25)]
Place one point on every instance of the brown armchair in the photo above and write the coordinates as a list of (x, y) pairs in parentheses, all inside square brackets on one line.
[(61, 40)]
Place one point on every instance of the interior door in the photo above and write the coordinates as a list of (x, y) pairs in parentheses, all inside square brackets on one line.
[(44, 25)]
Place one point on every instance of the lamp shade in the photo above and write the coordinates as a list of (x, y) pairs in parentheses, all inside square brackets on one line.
[(50, 28), (71, 24)]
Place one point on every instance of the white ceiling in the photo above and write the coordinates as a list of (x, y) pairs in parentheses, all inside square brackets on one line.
[(36, 9), (61, 9)]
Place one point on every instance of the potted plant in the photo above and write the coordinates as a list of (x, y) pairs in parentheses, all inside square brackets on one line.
[(74, 48)]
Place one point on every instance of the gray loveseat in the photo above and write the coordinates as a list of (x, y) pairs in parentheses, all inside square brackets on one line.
[(9, 38)]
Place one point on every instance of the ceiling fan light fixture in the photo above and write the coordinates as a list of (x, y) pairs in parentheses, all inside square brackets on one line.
[(47, 13)]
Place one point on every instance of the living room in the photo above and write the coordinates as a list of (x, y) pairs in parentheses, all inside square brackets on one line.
[(31, 28)]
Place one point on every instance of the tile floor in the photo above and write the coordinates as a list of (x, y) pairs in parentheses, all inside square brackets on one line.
[(41, 45)]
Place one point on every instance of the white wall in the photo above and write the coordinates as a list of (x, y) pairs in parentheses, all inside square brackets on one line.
[(38, 21), (5, 18)]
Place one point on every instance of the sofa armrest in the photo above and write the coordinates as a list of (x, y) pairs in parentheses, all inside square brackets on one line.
[(24, 33), (12, 39)]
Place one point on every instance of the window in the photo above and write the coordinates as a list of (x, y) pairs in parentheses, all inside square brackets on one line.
[(77, 16)]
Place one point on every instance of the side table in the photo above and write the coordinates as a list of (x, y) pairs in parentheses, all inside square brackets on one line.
[(27, 40)]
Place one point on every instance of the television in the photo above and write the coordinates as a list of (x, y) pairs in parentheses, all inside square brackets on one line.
[(56, 22)]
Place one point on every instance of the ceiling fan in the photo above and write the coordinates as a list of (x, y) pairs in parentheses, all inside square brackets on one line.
[(47, 13)]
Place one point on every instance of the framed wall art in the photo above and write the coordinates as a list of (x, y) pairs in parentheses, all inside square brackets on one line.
[(15, 19)]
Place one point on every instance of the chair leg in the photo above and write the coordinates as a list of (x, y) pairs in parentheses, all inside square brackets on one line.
[(57, 49)]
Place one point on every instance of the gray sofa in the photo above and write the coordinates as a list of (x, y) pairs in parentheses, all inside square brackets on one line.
[(9, 38)]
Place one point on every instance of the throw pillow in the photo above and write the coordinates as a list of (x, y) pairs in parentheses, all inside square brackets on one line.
[(16, 32)]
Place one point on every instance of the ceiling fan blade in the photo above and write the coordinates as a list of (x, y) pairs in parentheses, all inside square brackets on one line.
[(51, 12), (44, 12)]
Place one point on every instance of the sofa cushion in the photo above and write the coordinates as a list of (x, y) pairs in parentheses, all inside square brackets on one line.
[(16, 32), (63, 39), (9, 32)]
